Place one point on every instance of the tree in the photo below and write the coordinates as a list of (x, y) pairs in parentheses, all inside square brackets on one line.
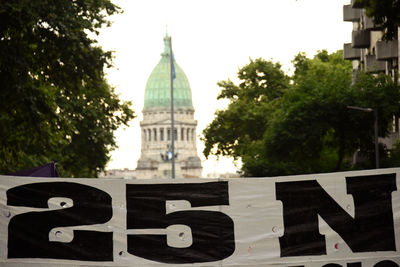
[(237, 130), (381, 93), (308, 130), (307, 127), (313, 130), (56, 103), (385, 13)]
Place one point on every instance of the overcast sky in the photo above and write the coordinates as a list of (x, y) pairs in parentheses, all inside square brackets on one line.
[(211, 40)]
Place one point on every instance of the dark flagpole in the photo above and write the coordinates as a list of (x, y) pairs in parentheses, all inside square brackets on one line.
[(172, 110)]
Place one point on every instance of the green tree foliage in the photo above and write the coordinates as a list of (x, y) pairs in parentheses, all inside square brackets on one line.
[(56, 103), (383, 94), (385, 13), (307, 127), (313, 130), (238, 130), (311, 121)]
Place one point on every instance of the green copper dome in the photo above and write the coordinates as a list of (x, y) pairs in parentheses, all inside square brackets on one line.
[(158, 87)]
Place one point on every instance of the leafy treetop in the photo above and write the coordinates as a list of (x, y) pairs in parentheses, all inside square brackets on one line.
[(56, 102), (282, 126)]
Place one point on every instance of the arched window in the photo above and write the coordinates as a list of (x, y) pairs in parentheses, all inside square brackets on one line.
[(155, 134), (175, 134), (149, 134), (169, 134), (182, 134), (188, 134)]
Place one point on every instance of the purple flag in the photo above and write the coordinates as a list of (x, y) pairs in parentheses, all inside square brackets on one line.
[(48, 170)]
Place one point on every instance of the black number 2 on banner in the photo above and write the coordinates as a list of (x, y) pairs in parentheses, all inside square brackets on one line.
[(28, 233)]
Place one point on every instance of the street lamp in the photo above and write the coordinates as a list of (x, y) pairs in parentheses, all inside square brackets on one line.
[(375, 129), (168, 155)]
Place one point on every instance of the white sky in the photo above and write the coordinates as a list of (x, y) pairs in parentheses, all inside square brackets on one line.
[(211, 40)]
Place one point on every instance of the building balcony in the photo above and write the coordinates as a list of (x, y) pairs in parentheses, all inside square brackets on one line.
[(369, 24), (351, 14), (360, 39), (387, 50), (354, 4), (351, 53), (373, 65)]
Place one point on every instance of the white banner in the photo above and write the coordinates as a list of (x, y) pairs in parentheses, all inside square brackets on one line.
[(339, 219)]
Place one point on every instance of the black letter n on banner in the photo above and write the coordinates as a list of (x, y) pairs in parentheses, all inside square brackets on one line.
[(371, 229)]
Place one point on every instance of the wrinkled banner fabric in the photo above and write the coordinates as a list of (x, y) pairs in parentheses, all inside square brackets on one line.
[(347, 219)]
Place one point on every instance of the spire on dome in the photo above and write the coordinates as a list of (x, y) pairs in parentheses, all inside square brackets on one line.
[(167, 46)]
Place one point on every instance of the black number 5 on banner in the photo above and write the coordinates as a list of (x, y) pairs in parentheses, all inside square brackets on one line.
[(212, 231)]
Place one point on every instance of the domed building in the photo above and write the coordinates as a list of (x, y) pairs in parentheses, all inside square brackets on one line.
[(155, 159)]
